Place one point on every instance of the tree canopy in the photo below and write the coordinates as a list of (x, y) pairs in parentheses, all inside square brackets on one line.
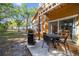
[(18, 13)]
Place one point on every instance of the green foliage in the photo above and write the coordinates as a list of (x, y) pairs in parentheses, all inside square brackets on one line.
[(24, 10), (3, 27), (12, 23), (32, 11), (17, 14), (5, 10), (18, 23)]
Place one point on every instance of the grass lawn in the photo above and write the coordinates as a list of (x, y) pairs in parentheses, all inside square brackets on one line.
[(4, 36), (11, 34)]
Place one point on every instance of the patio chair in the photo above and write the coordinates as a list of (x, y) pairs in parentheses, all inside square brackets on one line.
[(64, 41), (55, 40), (48, 41), (45, 39)]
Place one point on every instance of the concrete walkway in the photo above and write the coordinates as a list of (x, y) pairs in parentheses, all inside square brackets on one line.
[(37, 50)]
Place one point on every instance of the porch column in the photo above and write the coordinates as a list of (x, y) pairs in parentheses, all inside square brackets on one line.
[(39, 29), (45, 23), (77, 32), (58, 26), (49, 27)]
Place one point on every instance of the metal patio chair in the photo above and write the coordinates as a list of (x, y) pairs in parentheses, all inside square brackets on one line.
[(64, 41), (45, 40), (48, 41)]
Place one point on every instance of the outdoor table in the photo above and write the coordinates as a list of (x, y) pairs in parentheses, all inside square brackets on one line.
[(53, 35), (54, 38)]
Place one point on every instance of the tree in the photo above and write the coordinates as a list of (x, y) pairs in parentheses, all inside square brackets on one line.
[(1, 27), (24, 13), (18, 23), (32, 12), (11, 24), (18, 13), (5, 10), (27, 13)]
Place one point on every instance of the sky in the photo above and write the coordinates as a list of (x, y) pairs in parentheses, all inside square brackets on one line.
[(32, 5), (29, 5)]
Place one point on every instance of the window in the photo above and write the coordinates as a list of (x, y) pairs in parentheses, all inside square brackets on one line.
[(69, 25)]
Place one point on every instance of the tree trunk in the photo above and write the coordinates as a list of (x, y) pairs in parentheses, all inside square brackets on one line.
[(18, 29), (27, 24)]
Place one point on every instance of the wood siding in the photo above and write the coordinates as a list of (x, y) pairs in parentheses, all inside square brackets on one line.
[(61, 12)]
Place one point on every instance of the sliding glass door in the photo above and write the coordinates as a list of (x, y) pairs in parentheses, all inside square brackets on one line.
[(53, 27), (69, 26), (65, 25)]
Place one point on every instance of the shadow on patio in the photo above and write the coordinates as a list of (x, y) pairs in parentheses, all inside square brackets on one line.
[(13, 44)]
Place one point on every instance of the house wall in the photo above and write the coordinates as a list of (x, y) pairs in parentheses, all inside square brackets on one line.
[(61, 12)]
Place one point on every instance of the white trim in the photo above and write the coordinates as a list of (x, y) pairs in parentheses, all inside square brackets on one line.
[(64, 18)]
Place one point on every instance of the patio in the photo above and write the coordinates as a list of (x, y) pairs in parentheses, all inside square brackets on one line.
[(60, 19), (37, 50)]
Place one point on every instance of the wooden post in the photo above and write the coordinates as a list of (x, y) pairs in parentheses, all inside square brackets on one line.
[(58, 26), (39, 29), (45, 23), (77, 25)]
